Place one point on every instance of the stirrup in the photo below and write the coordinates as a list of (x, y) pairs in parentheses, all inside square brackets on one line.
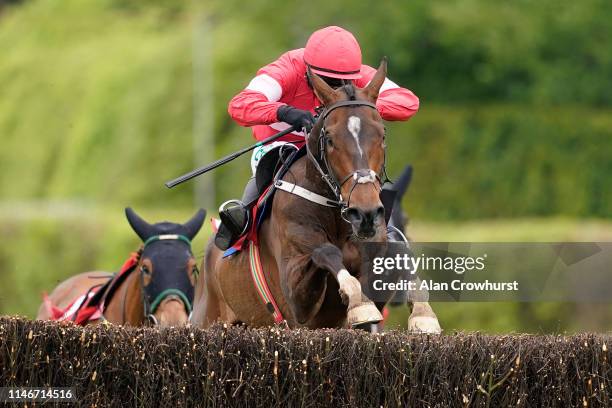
[(235, 219), (229, 210)]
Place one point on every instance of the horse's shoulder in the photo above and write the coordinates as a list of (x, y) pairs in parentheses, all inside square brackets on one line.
[(299, 165)]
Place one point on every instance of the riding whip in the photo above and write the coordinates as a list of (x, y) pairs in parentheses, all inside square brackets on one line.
[(226, 159)]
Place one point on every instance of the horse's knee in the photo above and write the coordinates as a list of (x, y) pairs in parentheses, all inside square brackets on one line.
[(418, 295), (327, 256)]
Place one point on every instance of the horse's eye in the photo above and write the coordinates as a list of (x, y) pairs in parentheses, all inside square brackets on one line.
[(329, 142), (145, 270)]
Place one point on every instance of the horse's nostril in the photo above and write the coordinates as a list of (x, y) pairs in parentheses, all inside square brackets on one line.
[(354, 215), (380, 212), (372, 216), (364, 218)]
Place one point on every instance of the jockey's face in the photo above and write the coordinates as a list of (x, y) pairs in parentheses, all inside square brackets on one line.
[(335, 82)]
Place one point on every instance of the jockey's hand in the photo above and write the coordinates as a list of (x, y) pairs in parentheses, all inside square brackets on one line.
[(296, 117)]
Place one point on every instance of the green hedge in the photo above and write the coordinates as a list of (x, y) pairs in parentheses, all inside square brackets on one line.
[(506, 161)]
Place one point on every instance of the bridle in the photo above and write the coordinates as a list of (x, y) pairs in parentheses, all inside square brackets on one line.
[(320, 162), (151, 300)]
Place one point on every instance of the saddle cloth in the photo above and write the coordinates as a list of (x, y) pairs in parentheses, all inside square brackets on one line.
[(90, 305)]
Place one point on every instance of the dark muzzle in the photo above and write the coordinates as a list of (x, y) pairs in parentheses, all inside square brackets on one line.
[(365, 222)]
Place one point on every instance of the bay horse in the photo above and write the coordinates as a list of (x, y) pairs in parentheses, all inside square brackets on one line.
[(160, 284), (309, 252)]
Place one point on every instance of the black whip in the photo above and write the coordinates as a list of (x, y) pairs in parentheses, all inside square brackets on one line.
[(226, 159)]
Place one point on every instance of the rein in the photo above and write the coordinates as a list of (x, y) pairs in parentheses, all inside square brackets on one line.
[(360, 176)]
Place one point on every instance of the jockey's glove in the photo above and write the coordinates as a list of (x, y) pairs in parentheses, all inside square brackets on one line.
[(298, 118)]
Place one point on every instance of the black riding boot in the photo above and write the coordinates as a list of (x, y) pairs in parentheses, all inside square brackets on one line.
[(234, 216)]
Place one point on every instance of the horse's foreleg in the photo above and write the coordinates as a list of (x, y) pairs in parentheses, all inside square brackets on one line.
[(207, 305), (422, 318), (206, 310), (306, 289), (360, 309)]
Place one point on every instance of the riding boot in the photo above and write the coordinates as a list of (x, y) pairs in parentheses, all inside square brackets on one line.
[(235, 218)]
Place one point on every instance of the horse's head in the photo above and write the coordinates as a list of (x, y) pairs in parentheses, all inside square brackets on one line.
[(348, 142), (167, 267)]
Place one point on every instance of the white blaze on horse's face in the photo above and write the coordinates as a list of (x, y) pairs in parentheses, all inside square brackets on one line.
[(354, 126), (370, 177)]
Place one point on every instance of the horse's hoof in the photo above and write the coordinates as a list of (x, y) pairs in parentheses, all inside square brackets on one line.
[(424, 325), (362, 314)]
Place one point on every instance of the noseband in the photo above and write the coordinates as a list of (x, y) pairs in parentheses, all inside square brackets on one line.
[(360, 176)]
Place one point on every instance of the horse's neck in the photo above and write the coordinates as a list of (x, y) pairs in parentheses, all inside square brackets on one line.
[(132, 308), (313, 180)]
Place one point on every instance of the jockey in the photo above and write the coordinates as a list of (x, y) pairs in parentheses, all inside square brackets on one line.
[(281, 96)]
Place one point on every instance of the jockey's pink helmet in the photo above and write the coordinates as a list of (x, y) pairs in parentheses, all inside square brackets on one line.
[(333, 52)]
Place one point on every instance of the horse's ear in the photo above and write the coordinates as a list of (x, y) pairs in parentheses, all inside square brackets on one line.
[(403, 182), (142, 228), (372, 89), (324, 92), (195, 223)]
